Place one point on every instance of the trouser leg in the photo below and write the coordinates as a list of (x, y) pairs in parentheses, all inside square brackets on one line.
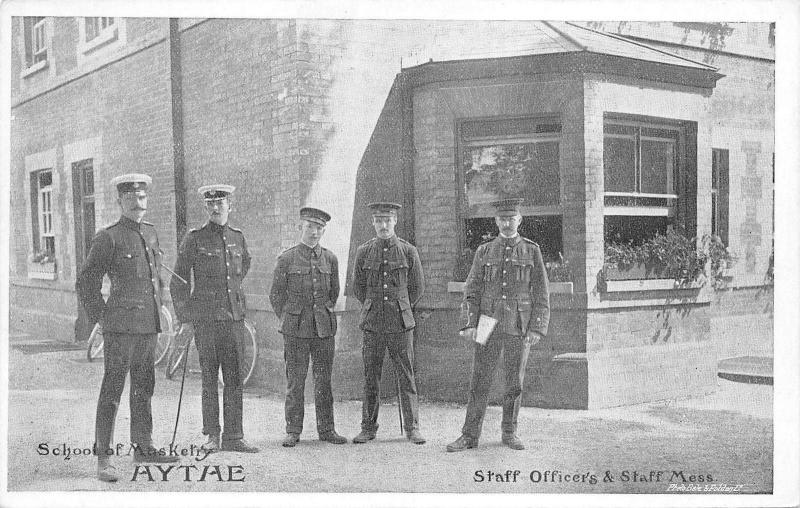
[(295, 355), (515, 359), (401, 351), (322, 351), (229, 352), (483, 365), (116, 362), (205, 340), (143, 382), (373, 350)]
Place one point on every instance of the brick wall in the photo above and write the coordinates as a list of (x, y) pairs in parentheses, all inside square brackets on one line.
[(126, 106), (436, 109)]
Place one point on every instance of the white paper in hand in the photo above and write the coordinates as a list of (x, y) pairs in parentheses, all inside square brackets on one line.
[(486, 325)]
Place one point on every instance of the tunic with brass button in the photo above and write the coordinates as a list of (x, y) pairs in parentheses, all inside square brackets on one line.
[(218, 258), (304, 291), (388, 281), (129, 253), (507, 281)]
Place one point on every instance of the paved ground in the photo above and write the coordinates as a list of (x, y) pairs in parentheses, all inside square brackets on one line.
[(723, 438)]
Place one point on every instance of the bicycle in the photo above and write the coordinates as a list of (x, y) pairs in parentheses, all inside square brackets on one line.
[(183, 347), (94, 348)]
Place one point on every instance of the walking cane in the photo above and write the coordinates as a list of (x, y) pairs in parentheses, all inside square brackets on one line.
[(399, 404), (183, 380)]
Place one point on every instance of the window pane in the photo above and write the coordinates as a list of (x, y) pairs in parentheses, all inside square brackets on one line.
[(544, 230), (619, 163), (91, 28), (88, 180), (658, 164), (624, 229), (45, 179), (526, 170)]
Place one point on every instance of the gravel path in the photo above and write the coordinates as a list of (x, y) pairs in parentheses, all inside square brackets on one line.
[(722, 438)]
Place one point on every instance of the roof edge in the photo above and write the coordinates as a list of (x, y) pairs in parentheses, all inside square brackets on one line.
[(637, 43)]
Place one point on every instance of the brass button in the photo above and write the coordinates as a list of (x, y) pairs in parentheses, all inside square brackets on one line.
[(385, 286), (385, 261), (504, 297), (385, 273), (385, 249), (505, 283), (385, 297)]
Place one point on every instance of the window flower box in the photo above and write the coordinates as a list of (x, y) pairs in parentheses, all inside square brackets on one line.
[(43, 271)]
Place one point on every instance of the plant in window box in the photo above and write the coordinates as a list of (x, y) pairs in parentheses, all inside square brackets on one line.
[(559, 275), (669, 256), (42, 265)]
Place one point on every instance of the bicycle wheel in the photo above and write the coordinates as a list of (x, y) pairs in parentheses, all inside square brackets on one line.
[(178, 354), (247, 365), (165, 337), (94, 349)]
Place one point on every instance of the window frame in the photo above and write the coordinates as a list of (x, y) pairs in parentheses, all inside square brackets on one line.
[(486, 210), (672, 206), (110, 36), (36, 41), (44, 234)]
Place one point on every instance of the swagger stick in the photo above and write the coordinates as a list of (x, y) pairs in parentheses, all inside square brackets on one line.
[(183, 380), (399, 404)]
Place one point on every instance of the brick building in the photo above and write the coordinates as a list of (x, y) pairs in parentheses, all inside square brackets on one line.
[(612, 128)]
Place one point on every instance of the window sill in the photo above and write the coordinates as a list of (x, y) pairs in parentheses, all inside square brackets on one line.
[(101, 40), (613, 286), (33, 69), (555, 287)]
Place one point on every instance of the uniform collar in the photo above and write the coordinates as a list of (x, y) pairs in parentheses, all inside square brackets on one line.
[(388, 242), (509, 241), (216, 228), (131, 224), (316, 250)]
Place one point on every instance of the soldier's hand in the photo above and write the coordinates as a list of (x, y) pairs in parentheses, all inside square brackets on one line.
[(533, 338), (469, 333)]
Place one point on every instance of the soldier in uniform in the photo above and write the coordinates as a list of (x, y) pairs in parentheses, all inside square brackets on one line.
[(507, 281), (388, 281), (304, 291), (128, 252), (217, 255)]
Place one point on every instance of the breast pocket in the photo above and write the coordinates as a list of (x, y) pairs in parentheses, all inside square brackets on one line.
[(210, 261), (324, 276), (491, 269), (372, 272), (126, 263), (522, 269), (296, 276), (399, 272)]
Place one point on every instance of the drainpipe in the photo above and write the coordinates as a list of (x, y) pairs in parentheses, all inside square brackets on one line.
[(407, 156), (177, 128)]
